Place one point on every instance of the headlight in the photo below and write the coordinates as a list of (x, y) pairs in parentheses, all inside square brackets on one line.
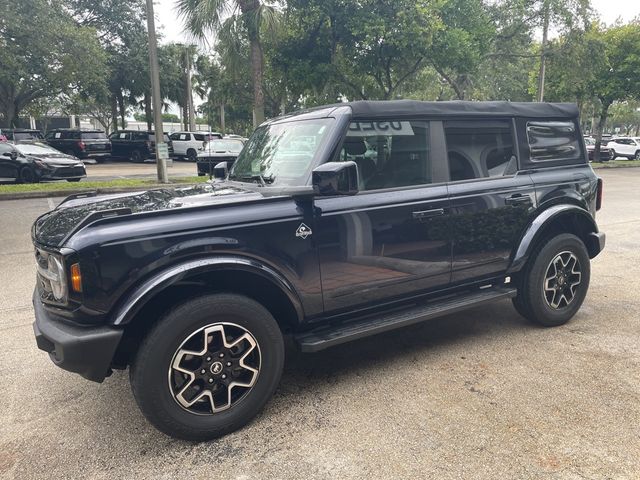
[(57, 278)]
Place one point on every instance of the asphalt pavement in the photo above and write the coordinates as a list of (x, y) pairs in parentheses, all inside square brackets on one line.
[(117, 169), (481, 394)]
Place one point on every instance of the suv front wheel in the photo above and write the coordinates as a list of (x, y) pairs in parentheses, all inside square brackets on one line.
[(208, 367), (554, 284)]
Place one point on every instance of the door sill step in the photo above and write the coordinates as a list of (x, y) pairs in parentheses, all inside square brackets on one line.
[(325, 337)]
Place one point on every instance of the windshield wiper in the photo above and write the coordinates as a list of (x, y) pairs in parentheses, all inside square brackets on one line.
[(255, 177)]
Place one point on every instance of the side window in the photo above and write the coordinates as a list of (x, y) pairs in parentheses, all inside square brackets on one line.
[(553, 141), (183, 136), (140, 136), (174, 136), (480, 149), (199, 137), (389, 154)]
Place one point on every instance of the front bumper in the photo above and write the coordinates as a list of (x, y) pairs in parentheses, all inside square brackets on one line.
[(87, 351)]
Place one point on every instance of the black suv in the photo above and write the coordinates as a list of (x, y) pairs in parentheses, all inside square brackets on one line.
[(21, 134), (136, 145), (333, 224), (85, 143)]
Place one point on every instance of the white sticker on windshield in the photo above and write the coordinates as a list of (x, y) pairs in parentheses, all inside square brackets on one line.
[(370, 129)]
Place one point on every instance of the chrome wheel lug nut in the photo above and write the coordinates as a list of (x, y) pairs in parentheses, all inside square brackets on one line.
[(203, 371), (211, 380), (224, 376), (228, 364), (222, 355), (208, 359)]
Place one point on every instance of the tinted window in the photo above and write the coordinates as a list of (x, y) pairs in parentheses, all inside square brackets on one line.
[(174, 136), (553, 141), (141, 136), (26, 136), (199, 137), (152, 137), (479, 149), (389, 154), (93, 135)]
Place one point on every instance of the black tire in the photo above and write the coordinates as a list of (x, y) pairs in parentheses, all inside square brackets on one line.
[(548, 307), (613, 154), (73, 179), (637, 155), (192, 155), (153, 372), (136, 156), (27, 175)]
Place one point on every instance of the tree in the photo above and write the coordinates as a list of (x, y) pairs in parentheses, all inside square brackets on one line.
[(615, 78), (44, 53), (207, 17)]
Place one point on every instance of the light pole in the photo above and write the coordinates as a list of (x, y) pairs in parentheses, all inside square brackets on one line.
[(162, 152)]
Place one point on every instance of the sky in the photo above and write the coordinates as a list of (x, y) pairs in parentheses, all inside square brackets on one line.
[(173, 29)]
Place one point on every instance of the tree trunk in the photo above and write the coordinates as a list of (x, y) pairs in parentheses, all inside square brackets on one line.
[(10, 114), (543, 50), (257, 73), (223, 127), (122, 108), (147, 111), (185, 117), (602, 120), (114, 112), (192, 115)]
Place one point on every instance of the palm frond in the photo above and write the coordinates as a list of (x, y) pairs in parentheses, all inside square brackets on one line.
[(203, 17)]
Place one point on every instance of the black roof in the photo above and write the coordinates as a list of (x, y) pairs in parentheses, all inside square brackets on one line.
[(408, 108)]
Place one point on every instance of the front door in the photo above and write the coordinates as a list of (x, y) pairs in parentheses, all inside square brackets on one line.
[(389, 241), (491, 202)]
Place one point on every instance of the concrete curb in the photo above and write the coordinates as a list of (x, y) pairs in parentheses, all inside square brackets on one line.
[(66, 193)]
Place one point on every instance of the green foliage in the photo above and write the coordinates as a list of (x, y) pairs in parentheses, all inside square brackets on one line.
[(44, 53)]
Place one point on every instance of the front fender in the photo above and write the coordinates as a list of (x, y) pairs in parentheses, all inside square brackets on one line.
[(137, 299), (572, 213)]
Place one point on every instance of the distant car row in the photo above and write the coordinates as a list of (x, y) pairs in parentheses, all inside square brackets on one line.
[(614, 147), (32, 162)]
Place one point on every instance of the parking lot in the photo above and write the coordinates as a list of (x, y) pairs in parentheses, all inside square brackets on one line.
[(481, 394)]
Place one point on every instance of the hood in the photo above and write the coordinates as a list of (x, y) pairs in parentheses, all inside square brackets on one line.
[(55, 227)]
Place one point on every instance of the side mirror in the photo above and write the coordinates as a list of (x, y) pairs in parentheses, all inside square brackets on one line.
[(336, 178), (220, 170)]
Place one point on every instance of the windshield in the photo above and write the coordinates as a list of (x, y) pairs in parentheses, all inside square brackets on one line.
[(26, 136), (281, 153), (224, 146), (33, 149)]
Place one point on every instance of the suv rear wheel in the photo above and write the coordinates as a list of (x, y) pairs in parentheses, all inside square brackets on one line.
[(208, 367), (192, 155), (554, 284), (135, 156)]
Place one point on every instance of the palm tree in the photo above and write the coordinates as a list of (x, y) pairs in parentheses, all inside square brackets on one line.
[(204, 17)]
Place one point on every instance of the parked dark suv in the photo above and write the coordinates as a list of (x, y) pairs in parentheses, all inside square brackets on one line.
[(136, 145), (85, 143), (21, 134), (333, 224)]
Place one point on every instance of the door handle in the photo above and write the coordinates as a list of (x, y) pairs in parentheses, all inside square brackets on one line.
[(436, 212), (518, 199)]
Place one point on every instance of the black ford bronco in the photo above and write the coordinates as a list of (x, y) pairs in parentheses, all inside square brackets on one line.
[(333, 224)]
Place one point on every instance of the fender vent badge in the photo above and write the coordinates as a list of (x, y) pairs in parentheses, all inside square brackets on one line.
[(303, 231)]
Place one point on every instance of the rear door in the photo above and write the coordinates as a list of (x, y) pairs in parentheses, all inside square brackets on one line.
[(8, 166), (491, 201), (119, 143), (390, 241)]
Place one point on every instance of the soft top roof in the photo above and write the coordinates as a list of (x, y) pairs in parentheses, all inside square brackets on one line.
[(408, 108)]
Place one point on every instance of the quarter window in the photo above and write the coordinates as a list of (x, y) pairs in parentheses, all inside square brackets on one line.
[(480, 149), (553, 141), (389, 154)]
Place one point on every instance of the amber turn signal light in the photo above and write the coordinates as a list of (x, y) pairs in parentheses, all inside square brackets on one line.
[(76, 278)]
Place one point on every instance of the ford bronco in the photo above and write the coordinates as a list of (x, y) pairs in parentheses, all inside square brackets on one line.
[(334, 224)]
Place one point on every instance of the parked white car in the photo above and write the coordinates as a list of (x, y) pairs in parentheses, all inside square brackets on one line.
[(625, 147), (187, 144)]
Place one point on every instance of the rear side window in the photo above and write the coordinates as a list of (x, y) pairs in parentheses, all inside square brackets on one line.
[(553, 141), (142, 136), (199, 137), (93, 135), (480, 149)]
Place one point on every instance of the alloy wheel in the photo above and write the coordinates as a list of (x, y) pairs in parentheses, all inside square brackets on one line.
[(562, 280), (214, 368)]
